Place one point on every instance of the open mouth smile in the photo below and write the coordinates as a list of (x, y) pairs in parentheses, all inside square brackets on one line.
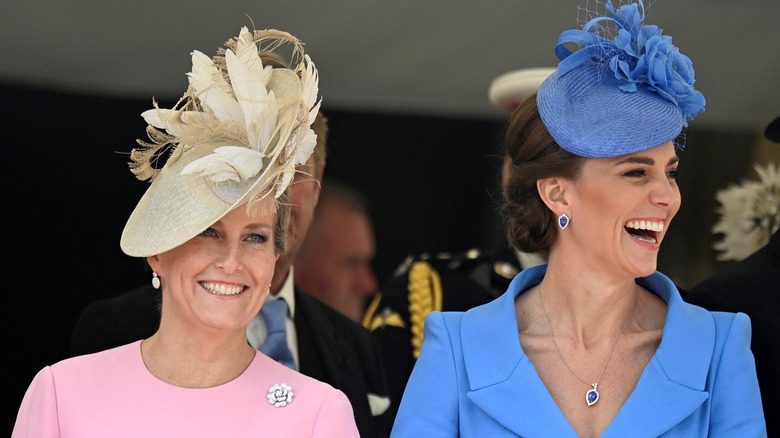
[(644, 230)]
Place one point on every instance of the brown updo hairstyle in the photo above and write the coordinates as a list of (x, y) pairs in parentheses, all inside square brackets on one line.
[(534, 154)]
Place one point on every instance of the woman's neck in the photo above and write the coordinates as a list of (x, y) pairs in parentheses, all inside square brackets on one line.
[(587, 306), (196, 361)]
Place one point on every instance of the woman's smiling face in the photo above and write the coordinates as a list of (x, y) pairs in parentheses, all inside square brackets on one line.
[(220, 278), (621, 208)]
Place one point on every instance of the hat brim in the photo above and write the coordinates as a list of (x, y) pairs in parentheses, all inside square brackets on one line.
[(510, 89), (171, 212)]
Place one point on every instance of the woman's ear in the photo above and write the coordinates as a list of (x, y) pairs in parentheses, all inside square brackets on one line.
[(319, 173), (554, 194), (154, 262)]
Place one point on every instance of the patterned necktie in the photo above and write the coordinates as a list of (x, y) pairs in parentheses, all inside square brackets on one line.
[(274, 313)]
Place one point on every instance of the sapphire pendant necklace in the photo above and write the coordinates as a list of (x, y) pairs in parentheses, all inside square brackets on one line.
[(592, 396)]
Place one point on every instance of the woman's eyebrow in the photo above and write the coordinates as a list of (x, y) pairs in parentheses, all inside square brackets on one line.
[(645, 160), (258, 226), (636, 160)]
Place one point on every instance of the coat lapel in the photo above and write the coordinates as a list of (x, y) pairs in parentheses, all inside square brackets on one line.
[(504, 384), (320, 346), (673, 383)]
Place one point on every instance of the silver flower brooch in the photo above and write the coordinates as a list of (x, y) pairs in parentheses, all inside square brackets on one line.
[(280, 395)]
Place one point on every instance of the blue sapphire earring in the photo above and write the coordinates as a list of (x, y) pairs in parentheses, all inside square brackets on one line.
[(563, 220)]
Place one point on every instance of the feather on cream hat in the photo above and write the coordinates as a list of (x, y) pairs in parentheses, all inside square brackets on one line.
[(234, 138)]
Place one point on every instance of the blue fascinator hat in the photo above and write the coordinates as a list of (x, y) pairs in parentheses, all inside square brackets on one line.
[(627, 89)]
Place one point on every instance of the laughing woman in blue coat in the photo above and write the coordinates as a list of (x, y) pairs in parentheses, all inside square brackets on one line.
[(596, 342)]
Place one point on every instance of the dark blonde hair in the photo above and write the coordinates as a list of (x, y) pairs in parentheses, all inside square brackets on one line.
[(282, 225), (531, 226)]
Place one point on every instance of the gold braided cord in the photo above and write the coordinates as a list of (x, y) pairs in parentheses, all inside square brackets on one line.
[(370, 315), (425, 296), (375, 319)]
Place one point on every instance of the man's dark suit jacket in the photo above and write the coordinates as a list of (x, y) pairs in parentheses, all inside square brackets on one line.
[(331, 347), (752, 286)]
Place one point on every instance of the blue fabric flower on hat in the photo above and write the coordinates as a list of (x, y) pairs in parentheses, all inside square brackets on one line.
[(638, 56)]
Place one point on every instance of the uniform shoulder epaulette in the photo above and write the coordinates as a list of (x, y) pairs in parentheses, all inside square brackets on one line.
[(441, 281)]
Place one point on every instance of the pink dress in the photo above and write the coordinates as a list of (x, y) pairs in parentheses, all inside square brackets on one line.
[(111, 394)]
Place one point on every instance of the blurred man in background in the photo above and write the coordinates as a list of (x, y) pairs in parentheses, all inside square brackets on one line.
[(334, 263)]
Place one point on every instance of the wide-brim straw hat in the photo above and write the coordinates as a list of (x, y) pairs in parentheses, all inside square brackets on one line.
[(235, 139), (176, 207)]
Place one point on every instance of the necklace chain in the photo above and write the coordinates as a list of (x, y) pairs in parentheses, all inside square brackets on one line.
[(560, 355)]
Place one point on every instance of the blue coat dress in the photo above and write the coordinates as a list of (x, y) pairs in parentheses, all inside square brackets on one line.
[(473, 379)]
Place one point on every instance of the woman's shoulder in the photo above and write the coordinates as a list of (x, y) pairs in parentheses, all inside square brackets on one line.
[(731, 327), (703, 333), (720, 321), (691, 315), (92, 375), (116, 360)]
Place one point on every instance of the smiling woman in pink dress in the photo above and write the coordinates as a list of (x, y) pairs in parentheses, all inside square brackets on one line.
[(211, 226)]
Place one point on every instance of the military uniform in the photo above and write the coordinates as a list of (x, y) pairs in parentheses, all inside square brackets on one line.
[(424, 283)]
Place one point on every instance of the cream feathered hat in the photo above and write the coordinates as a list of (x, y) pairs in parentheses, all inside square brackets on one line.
[(234, 138)]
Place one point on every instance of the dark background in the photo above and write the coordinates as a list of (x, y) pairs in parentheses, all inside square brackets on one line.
[(432, 185)]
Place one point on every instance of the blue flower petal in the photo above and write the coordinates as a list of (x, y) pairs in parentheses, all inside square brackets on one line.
[(638, 55)]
